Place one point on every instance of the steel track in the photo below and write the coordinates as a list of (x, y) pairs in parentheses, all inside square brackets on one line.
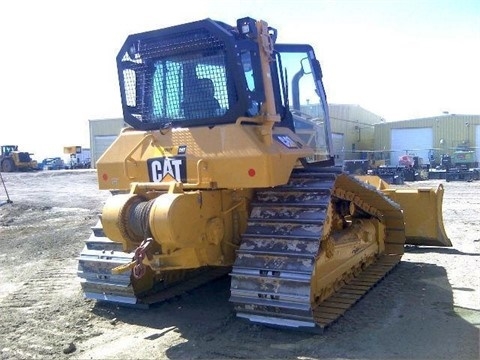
[(272, 275), (100, 255)]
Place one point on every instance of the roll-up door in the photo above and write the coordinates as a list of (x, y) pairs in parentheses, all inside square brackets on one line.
[(412, 141)]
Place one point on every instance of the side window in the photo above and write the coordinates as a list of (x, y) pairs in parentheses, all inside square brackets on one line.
[(248, 70), (130, 91), (246, 58), (307, 106)]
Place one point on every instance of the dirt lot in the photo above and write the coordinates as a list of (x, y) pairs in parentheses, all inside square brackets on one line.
[(427, 308)]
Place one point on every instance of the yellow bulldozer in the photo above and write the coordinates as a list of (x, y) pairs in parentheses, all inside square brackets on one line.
[(226, 168)]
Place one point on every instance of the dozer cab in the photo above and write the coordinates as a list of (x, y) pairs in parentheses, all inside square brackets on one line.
[(226, 168), (11, 159)]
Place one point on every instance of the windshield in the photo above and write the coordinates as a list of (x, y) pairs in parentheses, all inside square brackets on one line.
[(305, 96)]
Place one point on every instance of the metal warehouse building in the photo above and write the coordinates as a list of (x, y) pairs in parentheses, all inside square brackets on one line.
[(428, 137), (352, 130), (102, 134)]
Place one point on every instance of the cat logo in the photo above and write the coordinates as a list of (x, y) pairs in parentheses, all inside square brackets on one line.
[(167, 169)]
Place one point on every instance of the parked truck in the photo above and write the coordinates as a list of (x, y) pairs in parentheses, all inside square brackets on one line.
[(79, 157)]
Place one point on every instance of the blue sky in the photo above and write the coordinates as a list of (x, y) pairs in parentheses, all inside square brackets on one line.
[(399, 59)]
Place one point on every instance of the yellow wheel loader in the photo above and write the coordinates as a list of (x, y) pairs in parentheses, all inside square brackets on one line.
[(226, 168), (11, 159)]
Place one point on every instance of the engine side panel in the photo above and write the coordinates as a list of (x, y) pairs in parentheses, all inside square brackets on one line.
[(228, 156)]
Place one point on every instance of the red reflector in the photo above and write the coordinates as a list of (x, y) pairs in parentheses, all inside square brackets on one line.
[(105, 177), (251, 172)]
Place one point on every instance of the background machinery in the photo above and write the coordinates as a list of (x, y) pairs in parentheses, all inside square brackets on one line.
[(460, 165), (242, 184), (79, 158), (13, 160)]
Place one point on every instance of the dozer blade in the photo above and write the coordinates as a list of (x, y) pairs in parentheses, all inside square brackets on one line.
[(422, 209)]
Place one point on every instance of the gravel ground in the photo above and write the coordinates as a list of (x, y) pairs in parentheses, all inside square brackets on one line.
[(427, 308)]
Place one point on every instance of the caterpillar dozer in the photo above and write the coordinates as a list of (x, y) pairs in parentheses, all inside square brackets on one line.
[(226, 169)]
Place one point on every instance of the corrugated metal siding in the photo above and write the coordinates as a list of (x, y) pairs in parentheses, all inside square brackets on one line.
[(357, 125), (103, 127), (449, 131), (477, 142), (106, 126), (354, 123)]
